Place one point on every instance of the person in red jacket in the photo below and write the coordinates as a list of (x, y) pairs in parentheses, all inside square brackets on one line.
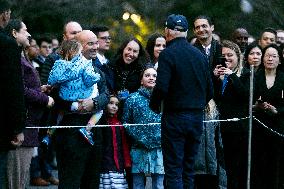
[(116, 155)]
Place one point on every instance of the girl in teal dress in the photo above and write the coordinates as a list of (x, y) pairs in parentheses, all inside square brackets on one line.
[(146, 152)]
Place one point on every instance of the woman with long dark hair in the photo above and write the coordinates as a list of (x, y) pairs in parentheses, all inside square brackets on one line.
[(123, 71), (155, 45)]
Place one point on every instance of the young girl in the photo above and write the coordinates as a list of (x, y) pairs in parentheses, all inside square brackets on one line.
[(146, 151), (116, 157), (76, 78)]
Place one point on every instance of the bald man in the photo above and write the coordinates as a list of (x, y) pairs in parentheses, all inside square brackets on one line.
[(78, 161), (90, 44), (240, 37), (70, 29)]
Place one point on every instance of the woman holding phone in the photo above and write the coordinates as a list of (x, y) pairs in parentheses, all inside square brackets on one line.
[(231, 97)]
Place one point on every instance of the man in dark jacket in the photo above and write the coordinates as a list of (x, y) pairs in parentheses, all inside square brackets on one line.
[(203, 28), (104, 40), (12, 92), (82, 167), (183, 88)]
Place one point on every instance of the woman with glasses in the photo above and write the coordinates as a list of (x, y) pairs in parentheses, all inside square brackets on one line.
[(269, 109)]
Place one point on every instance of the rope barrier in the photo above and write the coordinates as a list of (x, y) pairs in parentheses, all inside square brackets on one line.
[(225, 120), (150, 124), (76, 126), (271, 130), (127, 124)]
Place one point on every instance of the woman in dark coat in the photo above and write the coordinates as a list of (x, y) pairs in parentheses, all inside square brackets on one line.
[(269, 109), (35, 101), (123, 71), (231, 97)]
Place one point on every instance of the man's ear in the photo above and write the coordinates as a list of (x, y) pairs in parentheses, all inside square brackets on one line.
[(6, 13), (64, 37), (212, 27), (14, 33)]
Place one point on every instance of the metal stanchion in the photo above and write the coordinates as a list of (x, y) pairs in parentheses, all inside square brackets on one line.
[(250, 123)]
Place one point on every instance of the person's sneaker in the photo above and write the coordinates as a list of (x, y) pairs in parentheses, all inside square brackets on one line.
[(53, 180), (87, 135), (39, 182)]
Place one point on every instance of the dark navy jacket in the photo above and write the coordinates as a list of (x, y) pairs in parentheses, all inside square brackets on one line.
[(183, 80), (215, 53), (12, 91)]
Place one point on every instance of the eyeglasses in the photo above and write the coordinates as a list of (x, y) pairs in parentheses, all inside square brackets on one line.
[(274, 56), (46, 46), (105, 38)]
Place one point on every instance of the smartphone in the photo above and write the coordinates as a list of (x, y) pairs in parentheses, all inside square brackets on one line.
[(222, 61)]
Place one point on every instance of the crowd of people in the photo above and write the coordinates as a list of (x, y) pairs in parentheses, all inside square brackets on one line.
[(145, 112)]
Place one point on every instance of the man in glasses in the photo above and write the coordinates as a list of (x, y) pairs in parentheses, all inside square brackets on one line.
[(104, 40), (44, 50)]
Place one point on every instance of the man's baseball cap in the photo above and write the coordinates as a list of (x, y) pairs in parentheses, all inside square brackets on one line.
[(177, 22)]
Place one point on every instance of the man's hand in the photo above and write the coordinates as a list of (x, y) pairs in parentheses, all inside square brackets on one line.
[(85, 105), (18, 139), (46, 89), (50, 102)]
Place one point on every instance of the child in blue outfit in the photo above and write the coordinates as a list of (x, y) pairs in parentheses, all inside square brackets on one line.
[(77, 79), (146, 151)]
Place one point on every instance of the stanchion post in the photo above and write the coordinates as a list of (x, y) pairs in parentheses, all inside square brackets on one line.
[(250, 124)]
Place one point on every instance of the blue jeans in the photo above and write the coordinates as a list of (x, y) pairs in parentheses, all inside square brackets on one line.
[(180, 141), (3, 168), (139, 181)]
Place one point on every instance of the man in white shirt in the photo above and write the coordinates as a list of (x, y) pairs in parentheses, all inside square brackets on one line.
[(104, 40), (203, 28)]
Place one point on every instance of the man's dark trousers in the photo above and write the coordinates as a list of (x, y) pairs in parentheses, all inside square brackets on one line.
[(181, 133)]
